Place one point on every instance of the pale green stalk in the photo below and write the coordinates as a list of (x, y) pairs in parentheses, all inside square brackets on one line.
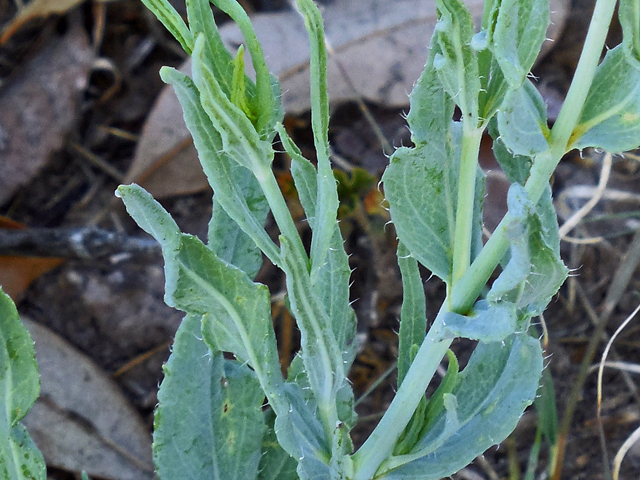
[(585, 71), (471, 136), (277, 204), (379, 446), (465, 291), (468, 288)]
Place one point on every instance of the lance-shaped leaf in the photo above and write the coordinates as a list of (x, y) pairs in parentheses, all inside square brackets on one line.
[(172, 21), (629, 15), (20, 459), (515, 167), (610, 118), (265, 103), (332, 280), (218, 166), (413, 314), (217, 56), (226, 238), (236, 312), (209, 421), (320, 354), (300, 433), (517, 35), (535, 271), (431, 107), (421, 186), (417, 176), (324, 225), (239, 136), (456, 62), (275, 463), (522, 121), (483, 408)]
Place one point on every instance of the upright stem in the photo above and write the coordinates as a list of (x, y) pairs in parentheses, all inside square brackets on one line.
[(379, 446), (278, 207), (585, 71), (471, 280), (471, 136)]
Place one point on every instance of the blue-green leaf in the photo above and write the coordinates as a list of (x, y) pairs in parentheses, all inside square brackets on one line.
[(515, 167), (483, 408), (240, 139), (610, 118), (226, 238), (522, 121), (20, 459), (236, 312), (320, 350), (265, 102), (302, 435), (324, 225), (209, 421), (534, 272), (276, 463), (487, 323), (431, 107), (421, 186), (456, 61), (220, 168), (629, 15), (517, 35), (332, 280), (427, 412), (413, 314), (172, 21), (218, 58)]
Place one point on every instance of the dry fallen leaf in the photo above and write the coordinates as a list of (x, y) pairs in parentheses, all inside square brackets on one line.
[(165, 161), (381, 43), (81, 420), (17, 273), (39, 105), (36, 9)]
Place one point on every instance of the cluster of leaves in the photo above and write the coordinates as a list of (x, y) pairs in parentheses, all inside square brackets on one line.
[(211, 421)]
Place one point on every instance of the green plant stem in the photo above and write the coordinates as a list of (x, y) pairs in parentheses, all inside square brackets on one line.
[(379, 446), (585, 71), (471, 136), (465, 291), (278, 206)]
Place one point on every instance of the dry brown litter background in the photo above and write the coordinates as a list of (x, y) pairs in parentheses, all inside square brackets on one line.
[(76, 89)]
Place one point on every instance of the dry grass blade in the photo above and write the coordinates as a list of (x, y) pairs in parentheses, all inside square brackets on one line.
[(587, 207), (622, 366), (618, 286), (599, 388), (628, 443)]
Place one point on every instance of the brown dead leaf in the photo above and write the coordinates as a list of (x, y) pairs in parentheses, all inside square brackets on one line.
[(382, 44), (17, 273), (39, 105), (36, 9), (165, 160), (81, 420)]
